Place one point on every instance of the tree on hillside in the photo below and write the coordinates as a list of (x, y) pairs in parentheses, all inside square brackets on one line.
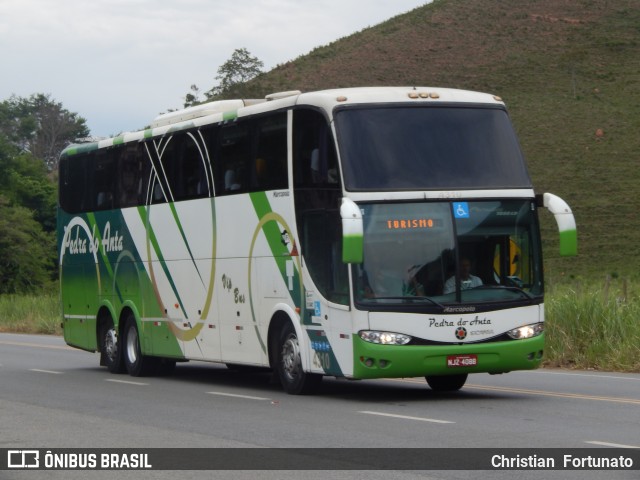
[(233, 76), (192, 98), (235, 73), (40, 126)]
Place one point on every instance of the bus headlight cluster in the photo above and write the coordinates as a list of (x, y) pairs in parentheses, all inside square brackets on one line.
[(384, 338), (528, 331)]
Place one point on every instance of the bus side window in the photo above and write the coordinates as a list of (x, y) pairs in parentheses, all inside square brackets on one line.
[(233, 157), (171, 149), (102, 179), (130, 178), (317, 200), (315, 162), (190, 178), (271, 152), (251, 155), (73, 184)]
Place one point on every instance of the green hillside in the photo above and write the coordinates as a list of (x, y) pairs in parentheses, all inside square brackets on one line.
[(569, 71)]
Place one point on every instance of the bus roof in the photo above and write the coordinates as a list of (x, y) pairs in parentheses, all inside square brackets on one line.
[(221, 110), (347, 96)]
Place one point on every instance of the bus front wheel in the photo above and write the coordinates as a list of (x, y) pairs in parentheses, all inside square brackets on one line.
[(293, 378), (446, 383)]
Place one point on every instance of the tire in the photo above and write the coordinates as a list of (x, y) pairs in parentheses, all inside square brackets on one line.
[(137, 364), (110, 351), (294, 380), (446, 383)]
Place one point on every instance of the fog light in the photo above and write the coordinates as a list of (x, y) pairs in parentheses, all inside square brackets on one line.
[(368, 362)]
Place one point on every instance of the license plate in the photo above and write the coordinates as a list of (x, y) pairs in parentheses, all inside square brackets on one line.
[(454, 361)]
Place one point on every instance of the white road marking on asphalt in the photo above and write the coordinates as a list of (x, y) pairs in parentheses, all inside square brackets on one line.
[(614, 445), (405, 417), (234, 395), (128, 382), (44, 371)]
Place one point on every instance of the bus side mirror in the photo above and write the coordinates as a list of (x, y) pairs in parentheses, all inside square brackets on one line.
[(352, 232), (566, 223)]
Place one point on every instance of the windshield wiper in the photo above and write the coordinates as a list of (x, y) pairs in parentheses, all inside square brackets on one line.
[(431, 300), (411, 299), (505, 287)]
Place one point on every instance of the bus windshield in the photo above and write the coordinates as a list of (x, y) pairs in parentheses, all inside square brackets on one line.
[(429, 148), (442, 253)]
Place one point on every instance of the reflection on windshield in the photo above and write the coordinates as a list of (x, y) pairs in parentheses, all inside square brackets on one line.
[(411, 254), (427, 148)]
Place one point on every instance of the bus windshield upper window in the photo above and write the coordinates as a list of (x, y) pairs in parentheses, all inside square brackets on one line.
[(429, 148)]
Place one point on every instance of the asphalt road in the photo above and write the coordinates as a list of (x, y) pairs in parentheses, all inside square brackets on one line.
[(53, 396)]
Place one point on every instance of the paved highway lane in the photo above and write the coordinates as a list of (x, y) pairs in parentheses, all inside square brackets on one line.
[(53, 396)]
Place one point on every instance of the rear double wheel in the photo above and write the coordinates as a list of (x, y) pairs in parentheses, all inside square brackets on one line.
[(137, 364), (110, 349)]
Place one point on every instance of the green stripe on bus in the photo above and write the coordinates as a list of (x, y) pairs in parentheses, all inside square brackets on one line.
[(232, 115), (278, 249), (153, 240), (568, 243), (176, 218), (76, 149)]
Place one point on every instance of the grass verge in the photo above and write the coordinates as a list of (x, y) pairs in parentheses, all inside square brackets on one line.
[(594, 326), (30, 314)]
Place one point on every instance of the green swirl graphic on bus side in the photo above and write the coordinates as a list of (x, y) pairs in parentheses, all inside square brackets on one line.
[(152, 242), (278, 257)]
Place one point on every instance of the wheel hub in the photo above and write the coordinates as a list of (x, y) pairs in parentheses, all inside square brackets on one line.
[(111, 344), (132, 345), (291, 357)]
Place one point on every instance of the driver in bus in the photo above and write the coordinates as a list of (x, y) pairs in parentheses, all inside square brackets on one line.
[(467, 281)]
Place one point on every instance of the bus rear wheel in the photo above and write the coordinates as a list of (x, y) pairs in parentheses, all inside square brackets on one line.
[(446, 383), (137, 364), (293, 378), (110, 350)]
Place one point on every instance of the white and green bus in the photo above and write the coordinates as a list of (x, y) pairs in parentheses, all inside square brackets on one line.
[(360, 233)]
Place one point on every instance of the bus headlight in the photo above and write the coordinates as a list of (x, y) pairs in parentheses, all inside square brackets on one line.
[(384, 338), (528, 331)]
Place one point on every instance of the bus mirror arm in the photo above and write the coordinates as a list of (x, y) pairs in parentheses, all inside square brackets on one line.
[(566, 223), (352, 232)]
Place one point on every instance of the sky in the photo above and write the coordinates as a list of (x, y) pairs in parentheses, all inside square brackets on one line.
[(120, 63)]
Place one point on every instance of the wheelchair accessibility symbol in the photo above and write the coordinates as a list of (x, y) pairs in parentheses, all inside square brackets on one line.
[(460, 209)]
